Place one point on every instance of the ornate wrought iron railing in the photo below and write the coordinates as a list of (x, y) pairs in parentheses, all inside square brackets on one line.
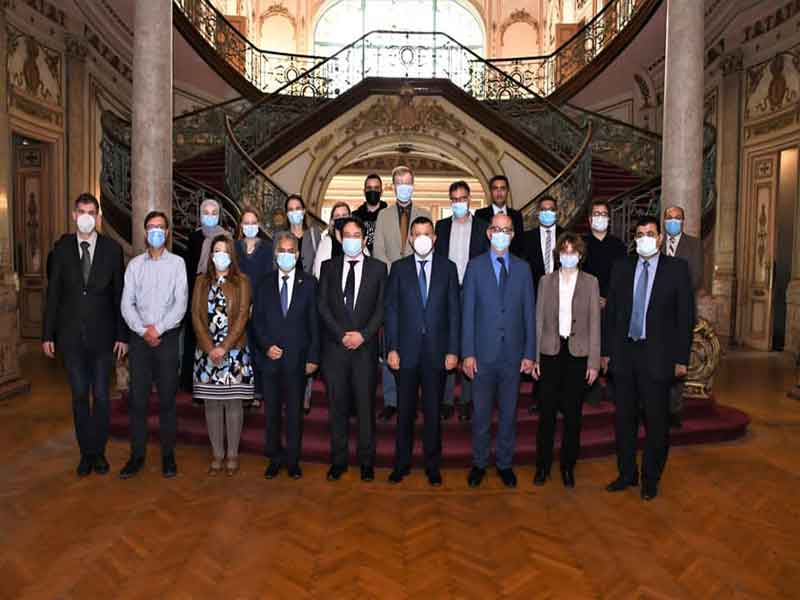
[(265, 70), (203, 129), (545, 74)]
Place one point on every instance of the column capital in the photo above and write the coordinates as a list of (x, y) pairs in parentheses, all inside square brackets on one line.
[(76, 47), (732, 62)]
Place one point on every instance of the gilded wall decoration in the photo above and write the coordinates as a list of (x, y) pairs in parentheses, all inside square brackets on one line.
[(391, 115), (520, 16), (769, 22), (34, 70), (107, 54), (773, 85)]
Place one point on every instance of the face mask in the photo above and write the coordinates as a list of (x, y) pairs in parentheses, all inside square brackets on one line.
[(372, 197), (222, 261), (423, 244), (209, 220), (338, 224), (459, 209), (296, 216), (673, 226), (569, 261), (500, 241), (547, 217), (351, 246), (403, 192), (600, 223), (156, 237), (646, 246), (286, 261), (250, 231), (86, 224)]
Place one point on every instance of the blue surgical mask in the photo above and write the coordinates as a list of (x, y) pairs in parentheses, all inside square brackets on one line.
[(547, 217), (209, 220), (351, 246), (286, 261), (500, 240), (403, 192), (569, 261), (673, 226), (222, 260), (156, 237), (250, 231), (295, 216), (459, 209)]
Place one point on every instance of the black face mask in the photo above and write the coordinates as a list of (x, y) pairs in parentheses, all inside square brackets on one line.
[(338, 224), (372, 197)]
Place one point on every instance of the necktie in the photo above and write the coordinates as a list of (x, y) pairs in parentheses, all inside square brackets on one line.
[(350, 287), (672, 244), (285, 295), (86, 262), (503, 277), (548, 252), (636, 328), (423, 282), (404, 228)]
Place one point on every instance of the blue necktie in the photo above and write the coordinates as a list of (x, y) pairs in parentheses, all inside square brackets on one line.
[(636, 328), (285, 295), (423, 282)]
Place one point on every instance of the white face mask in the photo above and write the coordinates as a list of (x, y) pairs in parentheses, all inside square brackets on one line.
[(86, 223), (600, 224), (646, 246), (423, 245)]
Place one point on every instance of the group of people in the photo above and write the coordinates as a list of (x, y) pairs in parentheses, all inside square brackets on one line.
[(471, 300)]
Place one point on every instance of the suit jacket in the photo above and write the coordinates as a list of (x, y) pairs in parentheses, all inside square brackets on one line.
[(584, 337), (387, 247), (478, 242), (691, 250), (533, 251), (518, 243), (91, 312), (669, 318), (367, 317), (238, 297), (496, 328), (297, 333), (407, 320)]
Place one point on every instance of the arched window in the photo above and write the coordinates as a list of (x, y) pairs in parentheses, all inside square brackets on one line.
[(344, 21)]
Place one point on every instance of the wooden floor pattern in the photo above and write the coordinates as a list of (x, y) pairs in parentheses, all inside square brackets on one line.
[(725, 526)]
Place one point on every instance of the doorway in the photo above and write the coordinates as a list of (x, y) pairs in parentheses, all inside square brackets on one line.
[(785, 210)]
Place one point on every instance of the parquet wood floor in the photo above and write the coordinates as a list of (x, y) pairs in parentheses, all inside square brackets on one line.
[(725, 526)]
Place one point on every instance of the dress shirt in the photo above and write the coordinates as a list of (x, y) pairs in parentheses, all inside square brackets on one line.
[(92, 245), (156, 292), (651, 276), (359, 267), (673, 240), (499, 210), (566, 290), (496, 265), (548, 259), (428, 261), (460, 234), (289, 285)]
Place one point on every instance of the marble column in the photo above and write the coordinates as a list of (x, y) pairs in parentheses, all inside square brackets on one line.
[(682, 168), (151, 152)]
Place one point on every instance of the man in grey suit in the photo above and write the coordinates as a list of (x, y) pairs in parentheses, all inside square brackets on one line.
[(689, 248), (392, 230)]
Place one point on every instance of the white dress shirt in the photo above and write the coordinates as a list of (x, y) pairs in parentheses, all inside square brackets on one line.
[(566, 290), (359, 267), (460, 234), (92, 245), (499, 210), (289, 285), (428, 261), (548, 258), (672, 243)]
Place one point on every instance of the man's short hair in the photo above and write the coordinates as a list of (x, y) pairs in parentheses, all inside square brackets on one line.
[(421, 221), (373, 176), (284, 235), (499, 178), (359, 223), (87, 198), (155, 214), (680, 208), (545, 198), (599, 203), (401, 170), (459, 185), (647, 220)]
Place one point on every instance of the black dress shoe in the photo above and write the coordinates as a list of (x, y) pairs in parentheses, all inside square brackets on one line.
[(541, 476), (533, 409), (132, 467), (620, 484), (336, 471), (295, 472), (367, 473), (273, 469), (465, 412), (388, 413), (397, 475), (649, 491), (447, 412), (86, 465), (169, 468), (568, 477), (434, 477), (101, 466), (475, 477), (507, 477)]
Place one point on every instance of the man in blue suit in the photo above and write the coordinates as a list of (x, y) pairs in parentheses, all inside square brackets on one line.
[(421, 325), (498, 343), (286, 324)]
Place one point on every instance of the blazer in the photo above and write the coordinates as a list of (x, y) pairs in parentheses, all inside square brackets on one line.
[(518, 243), (91, 313), (532, 251), (238, 296), (297, 333), (478, 242), (367, 317), (408, 322), (669, 318), (493, 327), (689, 249), (584, 337), (387, 247)]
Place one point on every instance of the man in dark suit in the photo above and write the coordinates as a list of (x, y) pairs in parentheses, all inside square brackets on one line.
[(286, 324), (498, 343), (422, 311), (499, 189), (351, 309), (646, 344), (460, 237), (540, 241), (83, 320)]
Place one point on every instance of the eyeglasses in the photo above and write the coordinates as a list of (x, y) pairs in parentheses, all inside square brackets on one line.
[(508, 230), (598, 213), (459, 198)]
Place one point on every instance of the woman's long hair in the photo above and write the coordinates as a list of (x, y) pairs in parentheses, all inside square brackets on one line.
[(234, 274)]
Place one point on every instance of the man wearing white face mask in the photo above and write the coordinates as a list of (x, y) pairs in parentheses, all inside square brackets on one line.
[(84, 323), (646, 343)]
